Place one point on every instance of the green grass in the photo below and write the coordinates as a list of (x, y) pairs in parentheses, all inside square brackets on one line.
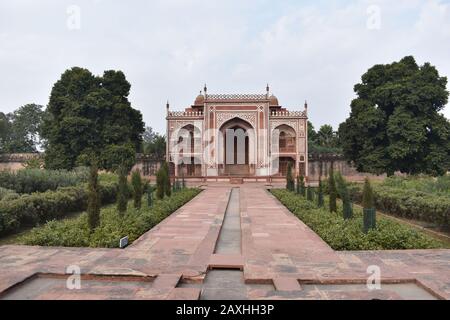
[(75, 232), (343, 234)]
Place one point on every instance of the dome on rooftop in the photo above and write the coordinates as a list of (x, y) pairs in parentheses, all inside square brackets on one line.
[(273, 101), (200, 100)]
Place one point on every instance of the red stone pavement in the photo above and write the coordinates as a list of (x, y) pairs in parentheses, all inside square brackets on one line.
[(277, 248)]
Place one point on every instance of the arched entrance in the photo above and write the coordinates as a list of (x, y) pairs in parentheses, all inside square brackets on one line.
[(237, 148)]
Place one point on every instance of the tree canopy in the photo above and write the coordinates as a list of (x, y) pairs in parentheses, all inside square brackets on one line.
[(154, 143), (20, 130), (88, 113), (395, 122), (323, 141)]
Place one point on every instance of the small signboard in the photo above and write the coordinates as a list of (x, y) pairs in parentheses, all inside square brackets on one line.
[(123, 242)]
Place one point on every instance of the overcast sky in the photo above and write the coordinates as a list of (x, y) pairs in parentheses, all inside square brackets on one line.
[(306, 50)]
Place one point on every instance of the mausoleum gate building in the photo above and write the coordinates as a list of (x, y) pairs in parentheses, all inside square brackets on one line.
[(246, 136)]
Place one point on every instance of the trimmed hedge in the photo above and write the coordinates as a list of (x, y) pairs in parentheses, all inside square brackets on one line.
[(343, 234), (410, 204), (113, 225), (38, 180), (36, 208)]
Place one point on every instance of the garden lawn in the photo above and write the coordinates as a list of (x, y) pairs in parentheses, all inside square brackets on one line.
[(343, 234), (113, 226)]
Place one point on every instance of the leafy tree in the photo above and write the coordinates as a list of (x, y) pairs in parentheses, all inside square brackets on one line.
[(136, 181), (122, 195), (332, 191), (290, 184), (20, 130), (154, 143), (86, 112), (395, 122), (167, 184), (320, 200), (93, 207), (369, 211)]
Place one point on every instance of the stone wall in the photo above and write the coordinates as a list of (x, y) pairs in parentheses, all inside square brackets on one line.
[(319, 166), (15, 161)]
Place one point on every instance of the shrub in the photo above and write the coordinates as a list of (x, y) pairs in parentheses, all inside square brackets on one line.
[(309, 194), (32, 209), (7, 193), (113, 225), (37, 180), (150, 196), (136, 182), (343, 234)]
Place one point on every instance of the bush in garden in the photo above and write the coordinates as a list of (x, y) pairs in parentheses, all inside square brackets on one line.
[(39, 207), (93, 205), (320, 200), (332, 191), (7, 193), (290, 184), (344, 195), (369, 219), (343, 234), (37, 180), (122, 195), (113, 226), (297, 185), (302, 186), (136, 182)]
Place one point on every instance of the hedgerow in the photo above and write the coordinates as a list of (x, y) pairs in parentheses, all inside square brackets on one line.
[(39, 207), (38, 180), (113, 225), (348, 234)]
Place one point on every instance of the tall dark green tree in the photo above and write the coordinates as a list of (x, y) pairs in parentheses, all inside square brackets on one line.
[(369, 211), (344, 195), (89, 112), (395, 122)]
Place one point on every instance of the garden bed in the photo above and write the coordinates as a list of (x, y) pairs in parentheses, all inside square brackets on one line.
[(343, 234), (113, 226)]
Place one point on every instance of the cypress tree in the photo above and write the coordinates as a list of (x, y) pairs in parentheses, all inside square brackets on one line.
[(150, 196), (298, 185), (320, 201), (309, 194), (166, 180), (290, 184), (122, 195), (93, 208), (369, 211), (160, 183), (302, 186), (136, 181), (344, 195), (332, 191)]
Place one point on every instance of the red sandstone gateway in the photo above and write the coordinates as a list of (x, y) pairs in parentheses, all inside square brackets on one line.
[(232, 137)]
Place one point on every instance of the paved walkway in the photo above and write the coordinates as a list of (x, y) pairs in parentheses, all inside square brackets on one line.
[(277, 251)]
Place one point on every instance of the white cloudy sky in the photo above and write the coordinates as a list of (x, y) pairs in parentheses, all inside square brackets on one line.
[(305, 50)]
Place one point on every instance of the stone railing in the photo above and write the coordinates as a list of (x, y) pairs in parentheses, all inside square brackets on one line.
[(251, 97), (185, 114), (288, 114)]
